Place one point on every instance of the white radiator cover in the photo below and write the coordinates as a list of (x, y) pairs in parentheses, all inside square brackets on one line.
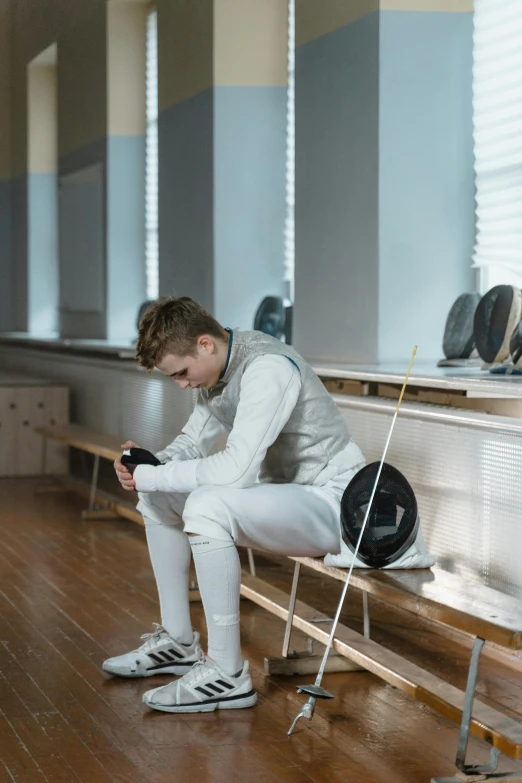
[(467, 480)]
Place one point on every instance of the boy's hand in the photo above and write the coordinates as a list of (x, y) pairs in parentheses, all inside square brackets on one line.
[(124, 476)]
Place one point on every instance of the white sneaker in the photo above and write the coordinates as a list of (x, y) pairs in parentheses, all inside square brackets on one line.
[(160, 654), (204, 688)]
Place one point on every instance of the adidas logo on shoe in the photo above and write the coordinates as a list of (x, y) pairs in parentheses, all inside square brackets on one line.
[(204, 688)]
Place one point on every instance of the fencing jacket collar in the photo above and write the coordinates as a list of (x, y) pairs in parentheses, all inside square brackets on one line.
[(227, 369)]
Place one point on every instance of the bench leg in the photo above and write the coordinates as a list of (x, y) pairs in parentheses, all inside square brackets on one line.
[(468, 708), (304, 662), (366, 618), (94, 483), (251, 562), (473, 772), (291, 610)]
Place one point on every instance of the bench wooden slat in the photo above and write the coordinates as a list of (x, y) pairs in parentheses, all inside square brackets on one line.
[(80, 437), (440, 596), (487, 723)]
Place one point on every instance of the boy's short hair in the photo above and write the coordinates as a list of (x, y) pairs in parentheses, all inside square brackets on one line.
[(173, 325)]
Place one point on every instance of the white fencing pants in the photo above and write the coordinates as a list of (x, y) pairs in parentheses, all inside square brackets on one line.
[(302, 520), (286, 519)]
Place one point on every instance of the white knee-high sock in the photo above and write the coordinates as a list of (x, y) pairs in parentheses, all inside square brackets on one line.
[(169, 550), (219, 579)]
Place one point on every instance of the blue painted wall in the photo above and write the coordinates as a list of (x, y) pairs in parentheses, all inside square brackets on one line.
[(125, 219), (249, 200), (186, 191), (42, 239), (336, 271), (426, 180), (80, 158), (6, 256), (384, 185), (123, 216), (87, 324), (222, 199), (19, 257)]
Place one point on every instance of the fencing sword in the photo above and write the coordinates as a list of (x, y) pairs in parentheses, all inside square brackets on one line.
[(315, 691)]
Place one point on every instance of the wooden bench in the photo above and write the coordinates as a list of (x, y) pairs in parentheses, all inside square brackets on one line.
[(101, 446), (486, 614), (436, 595)]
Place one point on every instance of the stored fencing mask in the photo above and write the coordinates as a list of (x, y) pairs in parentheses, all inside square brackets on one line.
[(393, 522)]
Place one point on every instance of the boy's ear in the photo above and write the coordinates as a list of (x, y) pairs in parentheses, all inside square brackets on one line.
[(206, 342)]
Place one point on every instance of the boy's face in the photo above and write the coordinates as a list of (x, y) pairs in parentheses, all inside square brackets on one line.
[(200, 371)]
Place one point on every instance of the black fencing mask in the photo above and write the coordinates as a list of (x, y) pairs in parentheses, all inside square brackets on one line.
[(496, 318), (459, 340), (393, 521)]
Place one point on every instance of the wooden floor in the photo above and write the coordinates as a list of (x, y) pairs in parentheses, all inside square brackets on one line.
[(74, 592)]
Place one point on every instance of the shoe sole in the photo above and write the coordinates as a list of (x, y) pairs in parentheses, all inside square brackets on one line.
[(128, 673), (234, 704)]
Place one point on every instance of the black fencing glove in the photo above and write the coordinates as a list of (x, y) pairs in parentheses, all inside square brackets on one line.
[(136, 456)]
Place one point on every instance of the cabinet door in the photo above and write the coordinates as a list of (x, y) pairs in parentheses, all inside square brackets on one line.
[(30, 414), (56, 412), (21, 448), (8, 431)]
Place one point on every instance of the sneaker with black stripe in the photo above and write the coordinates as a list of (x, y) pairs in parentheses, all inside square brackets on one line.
[(204, 688), (159, 654)]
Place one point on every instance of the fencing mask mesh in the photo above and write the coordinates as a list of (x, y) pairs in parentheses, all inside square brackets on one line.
[(459, 341), (393, 521)]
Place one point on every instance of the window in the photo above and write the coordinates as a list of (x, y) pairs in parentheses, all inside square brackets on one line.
[(497, 119), (151, 158), (290, 159)]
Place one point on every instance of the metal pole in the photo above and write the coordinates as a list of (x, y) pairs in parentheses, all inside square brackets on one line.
[(468, 703), (315, 690)]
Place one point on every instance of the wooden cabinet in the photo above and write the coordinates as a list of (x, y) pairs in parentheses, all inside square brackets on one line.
[(26, 403)]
